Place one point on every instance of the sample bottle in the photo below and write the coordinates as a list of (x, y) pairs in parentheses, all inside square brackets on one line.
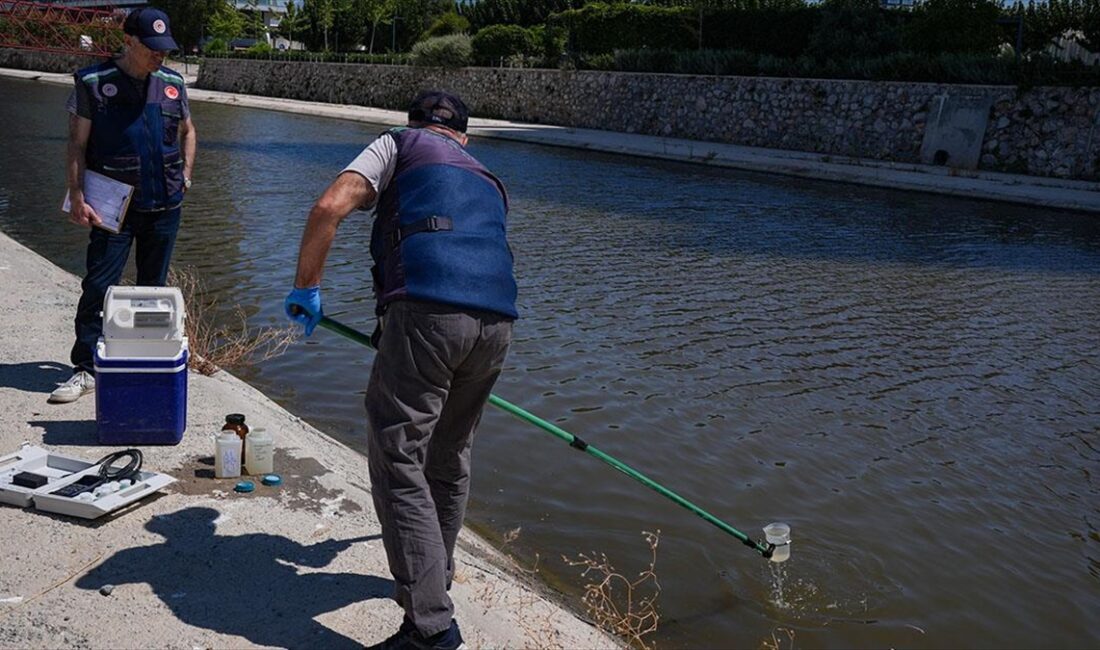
[(260, 452), (227, 455), (235, 422)]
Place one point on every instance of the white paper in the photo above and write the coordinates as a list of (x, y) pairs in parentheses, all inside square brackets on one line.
[(108, 197)]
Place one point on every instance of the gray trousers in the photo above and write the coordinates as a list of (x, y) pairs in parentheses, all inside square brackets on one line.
[(435, 368)]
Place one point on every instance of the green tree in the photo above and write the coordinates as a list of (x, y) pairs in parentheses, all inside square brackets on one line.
[(525, 13), (322, 16), (226, 23), (954, 26), (1044, 21), (376, 12), (412, 18), (447, 24), (497, 42), (293, 22), (254, 20), (853, 28), (189, 19)]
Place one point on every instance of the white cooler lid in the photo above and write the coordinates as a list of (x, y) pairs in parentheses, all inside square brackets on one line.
[(143, 313)]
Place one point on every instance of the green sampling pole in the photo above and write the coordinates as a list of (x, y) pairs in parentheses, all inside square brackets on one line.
[(764, 549)]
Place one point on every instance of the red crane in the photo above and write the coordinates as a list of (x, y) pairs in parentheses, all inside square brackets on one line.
[(46, 27)]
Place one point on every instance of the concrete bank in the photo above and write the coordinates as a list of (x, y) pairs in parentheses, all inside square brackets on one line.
[(1029, 190), (200, 566)]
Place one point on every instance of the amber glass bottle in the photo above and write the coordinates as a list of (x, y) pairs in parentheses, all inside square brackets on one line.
[(235, 422)]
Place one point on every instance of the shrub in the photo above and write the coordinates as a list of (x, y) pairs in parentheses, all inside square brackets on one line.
[(215, 46), (599, 28), (228, 343), (968, 68), (498, 42), (452, 51), (260, 47), (624, 605), (322, 57)]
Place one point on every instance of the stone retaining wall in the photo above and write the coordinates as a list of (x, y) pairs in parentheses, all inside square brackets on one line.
[(1043, 131), (44, 61)]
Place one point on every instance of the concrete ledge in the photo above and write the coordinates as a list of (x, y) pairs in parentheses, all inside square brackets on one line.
[(201, 566), (1013, 188)]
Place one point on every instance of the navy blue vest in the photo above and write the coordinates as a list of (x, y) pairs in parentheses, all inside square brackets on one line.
[(135, 137), (439, 230)]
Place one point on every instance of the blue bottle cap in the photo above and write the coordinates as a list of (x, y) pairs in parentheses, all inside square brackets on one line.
[(271, 479), (245, 486)]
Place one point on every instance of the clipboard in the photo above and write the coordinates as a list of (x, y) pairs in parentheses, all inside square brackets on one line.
[(108, 197)]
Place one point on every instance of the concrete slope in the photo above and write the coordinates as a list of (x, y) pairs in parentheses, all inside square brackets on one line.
[(201, 566)]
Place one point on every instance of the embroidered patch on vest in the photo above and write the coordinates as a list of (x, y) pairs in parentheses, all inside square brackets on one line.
[(171, 93), (109, 90)]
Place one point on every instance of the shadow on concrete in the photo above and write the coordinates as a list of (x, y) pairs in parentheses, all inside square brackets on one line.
[(34, 376), (67, 432), (244, 585), (208, 471)]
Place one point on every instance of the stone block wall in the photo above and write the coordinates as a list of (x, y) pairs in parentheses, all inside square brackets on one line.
[(1042, 131), (1051, 131), (44, 61)]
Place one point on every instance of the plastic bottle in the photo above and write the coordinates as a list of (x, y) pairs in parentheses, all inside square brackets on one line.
[(227, 455), (260, 452), (235, 422)]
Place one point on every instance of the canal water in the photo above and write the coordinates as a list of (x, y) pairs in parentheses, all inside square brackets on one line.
[(910, 381)]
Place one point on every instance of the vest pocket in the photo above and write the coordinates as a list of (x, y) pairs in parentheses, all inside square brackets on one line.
[(171, 120), (173, 175)]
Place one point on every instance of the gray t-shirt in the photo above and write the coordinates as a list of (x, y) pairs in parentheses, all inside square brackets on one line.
[(376, 163)]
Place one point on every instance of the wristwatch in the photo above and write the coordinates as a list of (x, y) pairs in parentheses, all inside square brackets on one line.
[(187, 183)]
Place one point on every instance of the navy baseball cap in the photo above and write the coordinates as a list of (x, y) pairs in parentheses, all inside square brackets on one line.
[(438, 107), (150, 26)]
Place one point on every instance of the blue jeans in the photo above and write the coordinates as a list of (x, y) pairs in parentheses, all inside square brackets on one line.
[(155, 233)]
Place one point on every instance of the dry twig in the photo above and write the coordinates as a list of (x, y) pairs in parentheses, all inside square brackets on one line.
[(776, 643), (229, 345), (615, 602)]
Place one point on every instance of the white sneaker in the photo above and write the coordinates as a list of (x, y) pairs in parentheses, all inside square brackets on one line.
[(79, 385)]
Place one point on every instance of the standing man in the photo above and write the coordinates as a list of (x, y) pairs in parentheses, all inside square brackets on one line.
[(446, 301), (129, 119)]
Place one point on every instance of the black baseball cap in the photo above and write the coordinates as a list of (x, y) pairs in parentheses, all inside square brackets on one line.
[(150, 26), (438, 107)]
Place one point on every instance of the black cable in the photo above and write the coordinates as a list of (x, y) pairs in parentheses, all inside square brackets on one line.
[(109, 473)]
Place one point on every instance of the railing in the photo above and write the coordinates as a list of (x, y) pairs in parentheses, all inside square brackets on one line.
[(61, 29)]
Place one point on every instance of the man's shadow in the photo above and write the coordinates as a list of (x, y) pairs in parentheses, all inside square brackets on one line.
[(244, 585), (34, 376)]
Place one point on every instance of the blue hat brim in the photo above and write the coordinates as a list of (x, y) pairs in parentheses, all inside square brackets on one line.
[(160, 43)]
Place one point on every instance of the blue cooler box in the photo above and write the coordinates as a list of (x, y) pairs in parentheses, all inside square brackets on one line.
[(140, 400)]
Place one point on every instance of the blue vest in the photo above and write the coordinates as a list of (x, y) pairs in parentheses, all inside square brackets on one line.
[(439, 229), (135, 137)]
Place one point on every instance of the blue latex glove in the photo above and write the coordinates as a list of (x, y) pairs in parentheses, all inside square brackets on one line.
[(304, 306)]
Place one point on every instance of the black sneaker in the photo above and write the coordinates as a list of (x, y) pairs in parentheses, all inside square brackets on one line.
[(449, 639), (401, 640), (408, 638)]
